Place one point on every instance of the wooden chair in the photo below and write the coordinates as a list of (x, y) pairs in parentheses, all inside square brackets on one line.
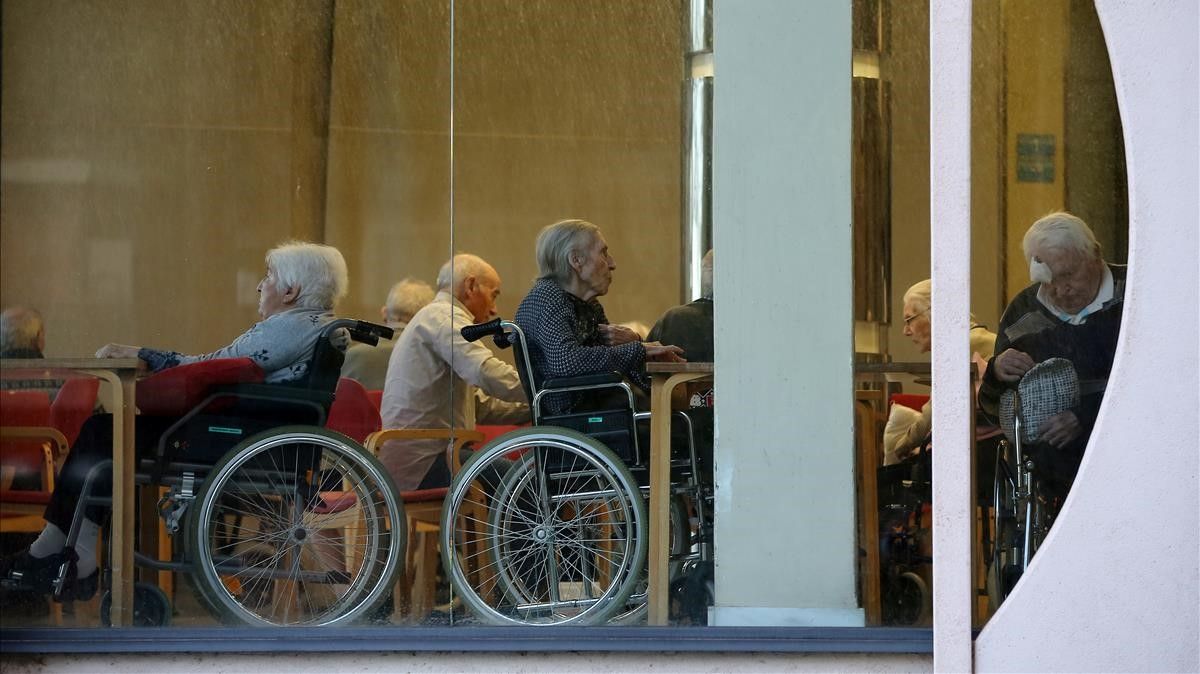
[(28, 446), (423, 508)]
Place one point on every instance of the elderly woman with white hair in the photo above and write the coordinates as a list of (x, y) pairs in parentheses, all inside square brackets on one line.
[(569, 334), (303, 283), (905, 432), (1072, 311)]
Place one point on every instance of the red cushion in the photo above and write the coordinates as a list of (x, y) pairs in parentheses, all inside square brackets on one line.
[(172, 392), (352, 413), (910, 400), (27, 497)]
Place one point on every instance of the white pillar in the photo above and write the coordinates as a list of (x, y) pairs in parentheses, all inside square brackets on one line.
[(785, 535), (950, 255)]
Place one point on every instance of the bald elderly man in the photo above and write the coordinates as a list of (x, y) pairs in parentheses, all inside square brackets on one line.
[(437, 379)]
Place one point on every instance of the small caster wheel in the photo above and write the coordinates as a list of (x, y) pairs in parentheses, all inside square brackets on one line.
[(151, 608)]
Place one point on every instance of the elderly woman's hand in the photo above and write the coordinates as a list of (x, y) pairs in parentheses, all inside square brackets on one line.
[(664, 352), (615, 335), (1061, 429)]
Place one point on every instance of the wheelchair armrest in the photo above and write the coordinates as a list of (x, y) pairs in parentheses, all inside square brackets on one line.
[(597, 379)]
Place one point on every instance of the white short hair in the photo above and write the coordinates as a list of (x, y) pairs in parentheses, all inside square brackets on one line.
[(556, 242), (920, 295), (406, 298), (317, 270), (1060, 230), (456, 270)]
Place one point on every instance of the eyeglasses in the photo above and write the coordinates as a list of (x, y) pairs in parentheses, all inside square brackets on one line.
[(909, 319)]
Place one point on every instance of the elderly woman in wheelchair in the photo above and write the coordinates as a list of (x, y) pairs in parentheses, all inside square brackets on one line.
[(561, 537), (265, 511)]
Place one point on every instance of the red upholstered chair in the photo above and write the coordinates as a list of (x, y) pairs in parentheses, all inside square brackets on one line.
[(353, 413), (175, 391), (75, 402), (913, 401), (28, 447), (376, 397)]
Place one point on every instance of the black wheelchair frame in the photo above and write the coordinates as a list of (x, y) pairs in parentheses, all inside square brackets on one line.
[(259, 521), (548, 524)]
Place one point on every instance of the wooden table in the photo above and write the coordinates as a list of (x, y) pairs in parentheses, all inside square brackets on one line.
[(664, 378), (119, 374)]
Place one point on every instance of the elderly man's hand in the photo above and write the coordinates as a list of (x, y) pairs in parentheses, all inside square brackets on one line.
[(1011, 365), (666, 353), (618, 334), (1061, 430)]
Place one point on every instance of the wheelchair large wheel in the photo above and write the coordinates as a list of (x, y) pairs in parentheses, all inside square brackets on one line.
[(296, 526), (547, 527)]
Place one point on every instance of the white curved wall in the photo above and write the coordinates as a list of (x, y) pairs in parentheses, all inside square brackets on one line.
[(1115, 586)]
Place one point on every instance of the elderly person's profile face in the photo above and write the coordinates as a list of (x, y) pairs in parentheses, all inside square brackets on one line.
[(917, 326), (272, 300), (593, 267), (1074, 277)]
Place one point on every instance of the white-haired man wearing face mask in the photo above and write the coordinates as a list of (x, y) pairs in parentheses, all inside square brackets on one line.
[(1072, 311)]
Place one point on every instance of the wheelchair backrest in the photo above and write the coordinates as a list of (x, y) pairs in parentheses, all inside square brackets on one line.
[(325, 366)]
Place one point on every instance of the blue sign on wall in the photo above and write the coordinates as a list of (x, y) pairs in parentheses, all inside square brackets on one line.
[(1035, 157)]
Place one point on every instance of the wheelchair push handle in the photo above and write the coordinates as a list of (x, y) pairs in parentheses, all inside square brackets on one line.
[(362, 331), (478, 331)]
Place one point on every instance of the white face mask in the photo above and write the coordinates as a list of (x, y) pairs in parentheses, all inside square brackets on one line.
[(1039, 272)]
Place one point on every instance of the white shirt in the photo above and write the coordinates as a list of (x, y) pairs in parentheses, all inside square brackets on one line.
[(1104, 294), (431, 383)]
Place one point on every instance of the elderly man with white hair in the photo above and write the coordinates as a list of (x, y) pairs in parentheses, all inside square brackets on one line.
[(437, 379), (368, 364), (1072, 311)]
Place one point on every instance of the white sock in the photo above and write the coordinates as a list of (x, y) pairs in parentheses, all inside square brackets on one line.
[(85, 547), (51, 540)]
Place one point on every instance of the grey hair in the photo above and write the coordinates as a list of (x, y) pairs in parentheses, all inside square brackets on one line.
[(706, 275), (556, 242), (920, 295), (20, 328), (317, 270), (456, 270), (406, 298), (1060, 230)]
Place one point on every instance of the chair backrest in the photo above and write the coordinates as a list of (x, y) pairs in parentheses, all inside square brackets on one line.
[(23, 409), (352, 413), (376, 397), (75, 402), (914, 401), (175, 391)]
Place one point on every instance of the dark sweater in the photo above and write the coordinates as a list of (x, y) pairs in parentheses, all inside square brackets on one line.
[(565, 341), (1027, 325)]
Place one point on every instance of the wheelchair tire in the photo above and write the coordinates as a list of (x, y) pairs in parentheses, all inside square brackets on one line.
[(296, 526), (151, 608), (547, 527)]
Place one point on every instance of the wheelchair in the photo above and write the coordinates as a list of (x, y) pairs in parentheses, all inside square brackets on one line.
[(905, 492), (1024, 512), (283, 522), (547, 525)]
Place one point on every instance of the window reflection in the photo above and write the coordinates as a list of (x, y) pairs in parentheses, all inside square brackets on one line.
[(151, 156)]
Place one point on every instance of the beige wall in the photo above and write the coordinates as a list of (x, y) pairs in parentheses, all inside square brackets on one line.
[(153, 153)]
